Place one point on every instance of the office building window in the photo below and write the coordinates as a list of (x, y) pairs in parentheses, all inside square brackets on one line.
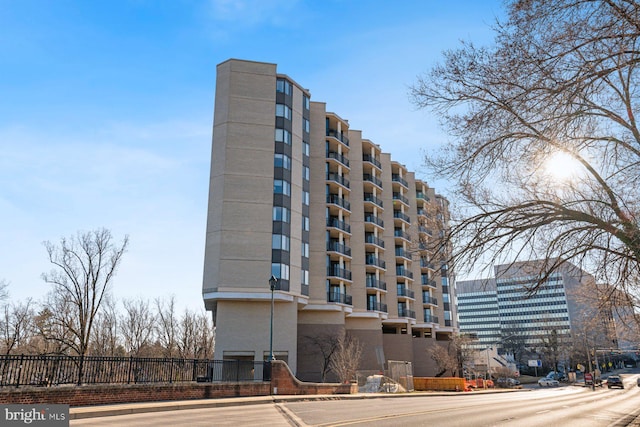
[(279, 241), (283, 86), (281, 271), (283, 111), (282, 161), (281, 214), (283, 135), (281, 186)]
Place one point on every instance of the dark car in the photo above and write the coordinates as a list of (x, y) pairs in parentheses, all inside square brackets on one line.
[(614, 381)]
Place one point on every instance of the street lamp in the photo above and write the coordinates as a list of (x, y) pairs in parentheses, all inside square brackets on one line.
[(273, 281)]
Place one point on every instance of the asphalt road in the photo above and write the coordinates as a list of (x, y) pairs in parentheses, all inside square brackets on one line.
[(562, 406)]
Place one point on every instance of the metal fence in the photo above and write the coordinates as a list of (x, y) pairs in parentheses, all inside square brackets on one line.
[(20, 370)]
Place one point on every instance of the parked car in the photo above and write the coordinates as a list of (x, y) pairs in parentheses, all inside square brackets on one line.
[(507, 382), (560, 376), (548, 382), (614, 381)]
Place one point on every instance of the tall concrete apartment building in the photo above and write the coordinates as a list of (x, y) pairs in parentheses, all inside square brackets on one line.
[(348, 232)]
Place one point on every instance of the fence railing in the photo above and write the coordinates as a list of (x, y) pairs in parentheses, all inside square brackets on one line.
[(40, 370)]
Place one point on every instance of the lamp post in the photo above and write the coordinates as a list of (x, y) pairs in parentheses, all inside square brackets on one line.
[(273, 281)]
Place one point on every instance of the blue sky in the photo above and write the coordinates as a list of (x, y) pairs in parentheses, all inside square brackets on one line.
[(106, 112)]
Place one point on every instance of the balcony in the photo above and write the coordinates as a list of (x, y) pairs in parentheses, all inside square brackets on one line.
[(374, 283), (406, 292), (334, 199), (403, 272), (428, 299), (336, 223), (399, 179), (421, 195), (338, 178), (423, 212), (376, 306), (373, 179), (373, 160), (425, 230), (339, 157), (427, 264), (339, 248), (337, 271), (399, 233), (375, 261), (401, 215), (372, 239), (339, 298), (428, 282), (402, 253), (430, 318), (371, 218), (400, 197), (339, 136), (369, 197), (405, 312)]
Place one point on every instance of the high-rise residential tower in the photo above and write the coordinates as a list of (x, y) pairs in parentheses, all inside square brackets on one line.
[(349, 233)]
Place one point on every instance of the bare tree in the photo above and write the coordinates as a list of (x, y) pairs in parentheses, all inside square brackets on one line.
[(560, 79), (106, 340), (167, 325), (84, 267), (196, 336), (16, 325), (346, 359), (324, 346), (452, 355), (137, 325)]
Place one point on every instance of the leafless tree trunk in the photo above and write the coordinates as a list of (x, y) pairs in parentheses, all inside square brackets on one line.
[(167, 325), (106, 338), (324, 346), (195, 336), (84, 267), (346, 359), (561, 79), (16, 325), (137, 325)]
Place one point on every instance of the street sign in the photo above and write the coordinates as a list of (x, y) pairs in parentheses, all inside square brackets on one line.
[(535, 363)]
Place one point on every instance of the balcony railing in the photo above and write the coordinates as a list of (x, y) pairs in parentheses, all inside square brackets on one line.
[(424, 212), (428, 299), (371, 178), (421, 195), (339, 136), (398, 178), (374, 220), (401, 271), (423, 229), (401, 215), (336, 271), (401, 252), (426, 281), (430, 318), (405, 312), (339, 297), (371, 238), (334, 199), (369, 197), (338, 178), (376, 306), (400, 233), (339, 157), (369, 158), (376, 284), (398, 196), (406, 292), (374, 260), (336, 223), (339, 247), (426, 264)]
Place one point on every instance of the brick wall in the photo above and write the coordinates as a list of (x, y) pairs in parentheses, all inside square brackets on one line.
[(282, 382)]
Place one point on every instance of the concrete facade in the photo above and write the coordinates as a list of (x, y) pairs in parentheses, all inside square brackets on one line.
[(350, 234)]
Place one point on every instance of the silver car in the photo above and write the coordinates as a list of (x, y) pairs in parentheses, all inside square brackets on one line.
[(548, 382)]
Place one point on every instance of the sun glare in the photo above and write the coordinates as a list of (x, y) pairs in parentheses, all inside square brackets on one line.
[(561, 167)]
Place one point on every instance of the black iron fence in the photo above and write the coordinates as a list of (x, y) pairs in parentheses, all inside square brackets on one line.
[(19, 370)]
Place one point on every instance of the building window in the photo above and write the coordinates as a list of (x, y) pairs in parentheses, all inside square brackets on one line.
[(283, 86), (305, 102), (305, 148), (281, 186), (281, 271), (305, 197), (305, 172), (282, 161), (283, 135), (280, 241), (305, 250), (305, 125), (283, 111), (281, 214), (305, 223), (304, 277)]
